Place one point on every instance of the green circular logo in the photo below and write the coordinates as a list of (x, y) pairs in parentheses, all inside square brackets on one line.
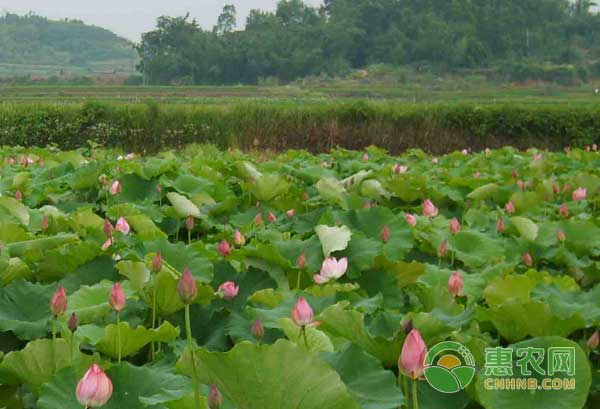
[(449, 367)]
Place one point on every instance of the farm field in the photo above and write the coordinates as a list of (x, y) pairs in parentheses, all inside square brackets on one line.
[(210, 278)]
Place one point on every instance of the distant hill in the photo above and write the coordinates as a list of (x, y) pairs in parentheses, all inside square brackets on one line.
[(34, 45)]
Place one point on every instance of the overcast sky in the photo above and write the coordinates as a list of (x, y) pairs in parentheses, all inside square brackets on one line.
[(130, 18)]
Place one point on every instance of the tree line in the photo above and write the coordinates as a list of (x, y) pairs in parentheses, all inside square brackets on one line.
[(298, 40)]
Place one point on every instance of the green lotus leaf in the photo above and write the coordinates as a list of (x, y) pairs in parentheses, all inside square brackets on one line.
[(317, 340), (16, 209), (526, 227), (26, 319), (183, 206), (268, 186), (484, 192), (332, 191), (333, 238), (274, 376)]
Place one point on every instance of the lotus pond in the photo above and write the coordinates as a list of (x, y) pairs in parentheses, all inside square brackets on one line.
[(202, 278)]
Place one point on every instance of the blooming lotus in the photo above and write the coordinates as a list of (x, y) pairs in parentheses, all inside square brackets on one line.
[(229, 290), (429, 209), (302, 313), (399, 169), (579, 194), (94, 389), (122, 226), (58, 303), (412, 357), (117, 298), (456, 284), (410, 219), (331, 269), (186, 287)]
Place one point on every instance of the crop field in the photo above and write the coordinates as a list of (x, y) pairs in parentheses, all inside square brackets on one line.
[(208, 278)]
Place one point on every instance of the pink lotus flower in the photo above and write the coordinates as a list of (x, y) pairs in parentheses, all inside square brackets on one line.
[(412, 357), (465, 152), (515, 174), (229, 290), (157, 262), (258, 329), (385, 233), (579, 194), (301, 260), (435, 160), (186, 287), (454, 226), (411, 219), (527, 259), (107, 244), (116, 188), (442, 249), (117, 298), (271, 218), (58, 303), (239, 239), (122, 226), (399, 169), (258, 219), (365, 157), (537, 156), (594, 340), (94, 389), (224, 248), (108, 228), (564, 211), (302, 313), (190, 223), (500, 225), (215, 399), (73, 322), (331, 269), (45, 223), (367, 205), (290, 213), (561, 236), (429, 209), (456, 284), (19, 195), (510, 207), (130, 156)]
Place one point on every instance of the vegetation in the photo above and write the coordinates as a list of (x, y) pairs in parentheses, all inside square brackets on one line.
[(34, 45), (319, 127), (296, 279), (551, 40)]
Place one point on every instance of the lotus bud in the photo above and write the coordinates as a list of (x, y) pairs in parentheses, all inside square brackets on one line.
[(117, 298), (271, 218), (107, 244), (567, 188), (190, 223), (579, 194), (367, 205), (510, 207), (122, 226), (215, 400), (429, 209), (116, 188), (456, 284), (527, 259), (365, 157), (159, 189), (45, 223), (500, 225), (108, 228), (515, 174), (301, 261), (305, 196), (556, 188), (594, 340), (564, 211), (537, 156), (411, 219), (186, 287), (157, 262), (58, 303), (477, 175), (412, 357), (521, 184), (224, 248), (442, 249), (258, 329), (229, 290), (454, 225), (258, 219), (561, 236), (19, 195), (94, 389), (73, 322), (302, 313), (290, 213), (385, 233), (239, 239)]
